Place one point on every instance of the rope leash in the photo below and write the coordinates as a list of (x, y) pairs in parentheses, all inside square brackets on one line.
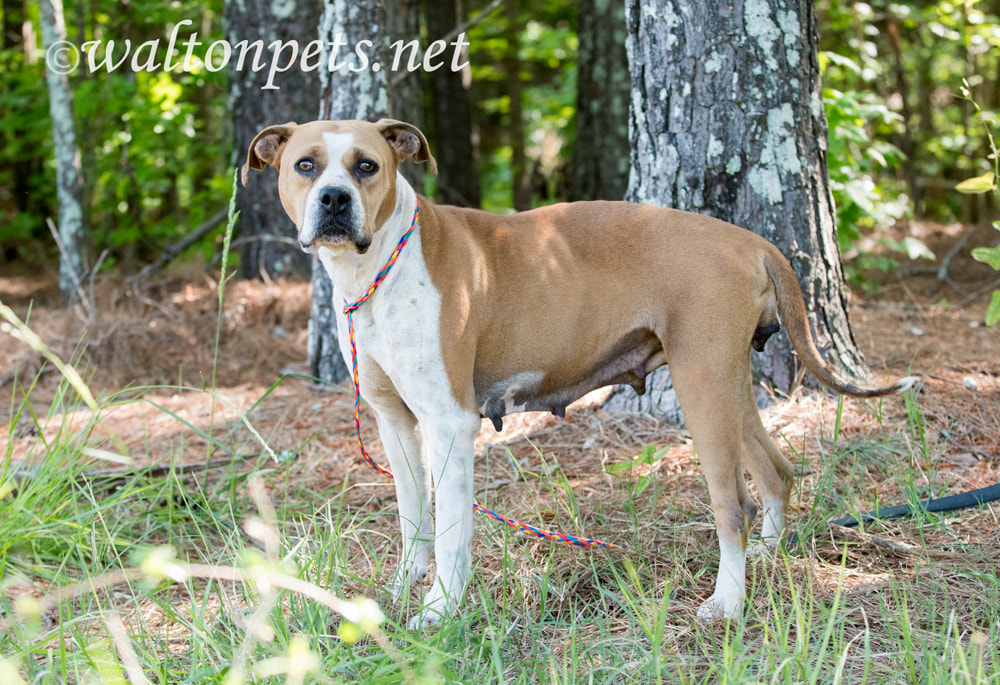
[(349, 309)]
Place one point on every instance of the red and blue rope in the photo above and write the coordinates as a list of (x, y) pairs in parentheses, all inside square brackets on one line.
[(349, 309)]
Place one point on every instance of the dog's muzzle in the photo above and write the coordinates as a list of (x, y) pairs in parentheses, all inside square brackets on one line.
[(335, 220)]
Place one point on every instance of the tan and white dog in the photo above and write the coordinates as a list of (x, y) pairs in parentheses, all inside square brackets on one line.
[(486, 315)]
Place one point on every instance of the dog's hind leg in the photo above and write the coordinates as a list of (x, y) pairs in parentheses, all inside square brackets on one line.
[(711, 391), (771, 471)]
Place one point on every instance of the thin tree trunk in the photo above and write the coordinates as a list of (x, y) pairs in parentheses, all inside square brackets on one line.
[(69, 181), (344, 94), (907, 142), (451, 117), (521, 193), (727, 120), (403, 23), (599, 169), (255, 107)]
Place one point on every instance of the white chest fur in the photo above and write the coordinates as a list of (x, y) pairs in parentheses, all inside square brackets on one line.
[(398, 329)]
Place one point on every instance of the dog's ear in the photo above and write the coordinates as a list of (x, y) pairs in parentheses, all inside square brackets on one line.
[(408, 141), (266, 148)]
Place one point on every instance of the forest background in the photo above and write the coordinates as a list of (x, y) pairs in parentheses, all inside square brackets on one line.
[(156, 149)]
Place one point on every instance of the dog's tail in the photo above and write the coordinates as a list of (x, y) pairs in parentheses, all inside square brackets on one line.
[(793, 312)]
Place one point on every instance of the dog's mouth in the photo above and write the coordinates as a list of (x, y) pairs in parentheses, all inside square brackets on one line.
[(336, 241)]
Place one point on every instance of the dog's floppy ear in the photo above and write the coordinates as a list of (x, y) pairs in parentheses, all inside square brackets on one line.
[(266, 148), (408, 141)]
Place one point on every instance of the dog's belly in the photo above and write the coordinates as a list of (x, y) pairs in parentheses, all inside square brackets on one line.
[(626, 361)]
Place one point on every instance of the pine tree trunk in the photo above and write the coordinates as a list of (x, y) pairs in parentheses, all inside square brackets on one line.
[(344, 94), (727, 120), (600, 152), (69, 180), (402, 19), (520, 191), (263, 223), (451, 117)]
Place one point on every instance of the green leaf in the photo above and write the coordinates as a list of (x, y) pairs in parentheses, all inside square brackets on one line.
[(988, 255), (914, 249), (620, 466), (644, 482), (647, 455), (979, 184), (993, 311)]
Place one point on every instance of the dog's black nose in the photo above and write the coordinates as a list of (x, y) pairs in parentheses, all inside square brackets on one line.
[(334, 200)]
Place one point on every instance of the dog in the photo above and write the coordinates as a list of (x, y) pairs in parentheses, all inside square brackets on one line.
[(484, 315)]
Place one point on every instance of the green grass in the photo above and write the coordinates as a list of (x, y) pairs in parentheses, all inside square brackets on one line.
[(534, 614)]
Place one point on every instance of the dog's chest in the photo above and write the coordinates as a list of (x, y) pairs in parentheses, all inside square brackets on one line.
[(398, 329)]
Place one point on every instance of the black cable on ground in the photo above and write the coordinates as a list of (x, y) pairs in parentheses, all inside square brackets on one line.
[(962, 500)]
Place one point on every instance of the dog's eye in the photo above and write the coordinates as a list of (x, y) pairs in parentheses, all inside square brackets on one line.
[(306, 166), (366, 166)]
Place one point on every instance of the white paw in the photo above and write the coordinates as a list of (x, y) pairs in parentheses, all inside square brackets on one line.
[(717, 606), (436, 605), (423, 620), (405, 576), (762, 548)]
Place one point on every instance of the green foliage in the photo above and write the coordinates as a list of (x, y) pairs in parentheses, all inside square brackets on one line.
[(547, 52), (153, 145), (898, 134), (911, 58), (648, 456), (855, 158), (986, 183), (25, 141)]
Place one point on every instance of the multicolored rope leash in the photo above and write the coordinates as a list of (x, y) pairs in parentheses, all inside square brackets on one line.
[(349, 309)]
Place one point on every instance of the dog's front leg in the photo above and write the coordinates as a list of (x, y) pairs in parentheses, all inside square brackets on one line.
[(450, 443), (397, 430)]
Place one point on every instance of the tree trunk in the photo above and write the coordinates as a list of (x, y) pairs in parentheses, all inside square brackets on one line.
[(263, 223), (362, 94), (727, 120), (13, 24), (521, 192), (402, 19), (599, 169), (69, 181), (451, 117)]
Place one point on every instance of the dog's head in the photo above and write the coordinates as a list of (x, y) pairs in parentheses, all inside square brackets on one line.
[(337, 179)]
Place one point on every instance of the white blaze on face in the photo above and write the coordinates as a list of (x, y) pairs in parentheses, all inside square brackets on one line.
[(336, 175)]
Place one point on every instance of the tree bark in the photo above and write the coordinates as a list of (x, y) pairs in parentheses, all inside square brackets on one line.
[(69, 180), (727, 120), (599, 169), (521, 193), (402, 18), (345, 94), (254, 108), (451, 117)]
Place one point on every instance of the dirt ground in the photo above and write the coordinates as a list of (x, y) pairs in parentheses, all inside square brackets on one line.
[(163, 334)]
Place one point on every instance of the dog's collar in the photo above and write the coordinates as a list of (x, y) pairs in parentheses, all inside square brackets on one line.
[(380, 276)]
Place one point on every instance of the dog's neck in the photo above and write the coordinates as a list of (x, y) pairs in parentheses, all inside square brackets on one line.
[(352, 272)]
